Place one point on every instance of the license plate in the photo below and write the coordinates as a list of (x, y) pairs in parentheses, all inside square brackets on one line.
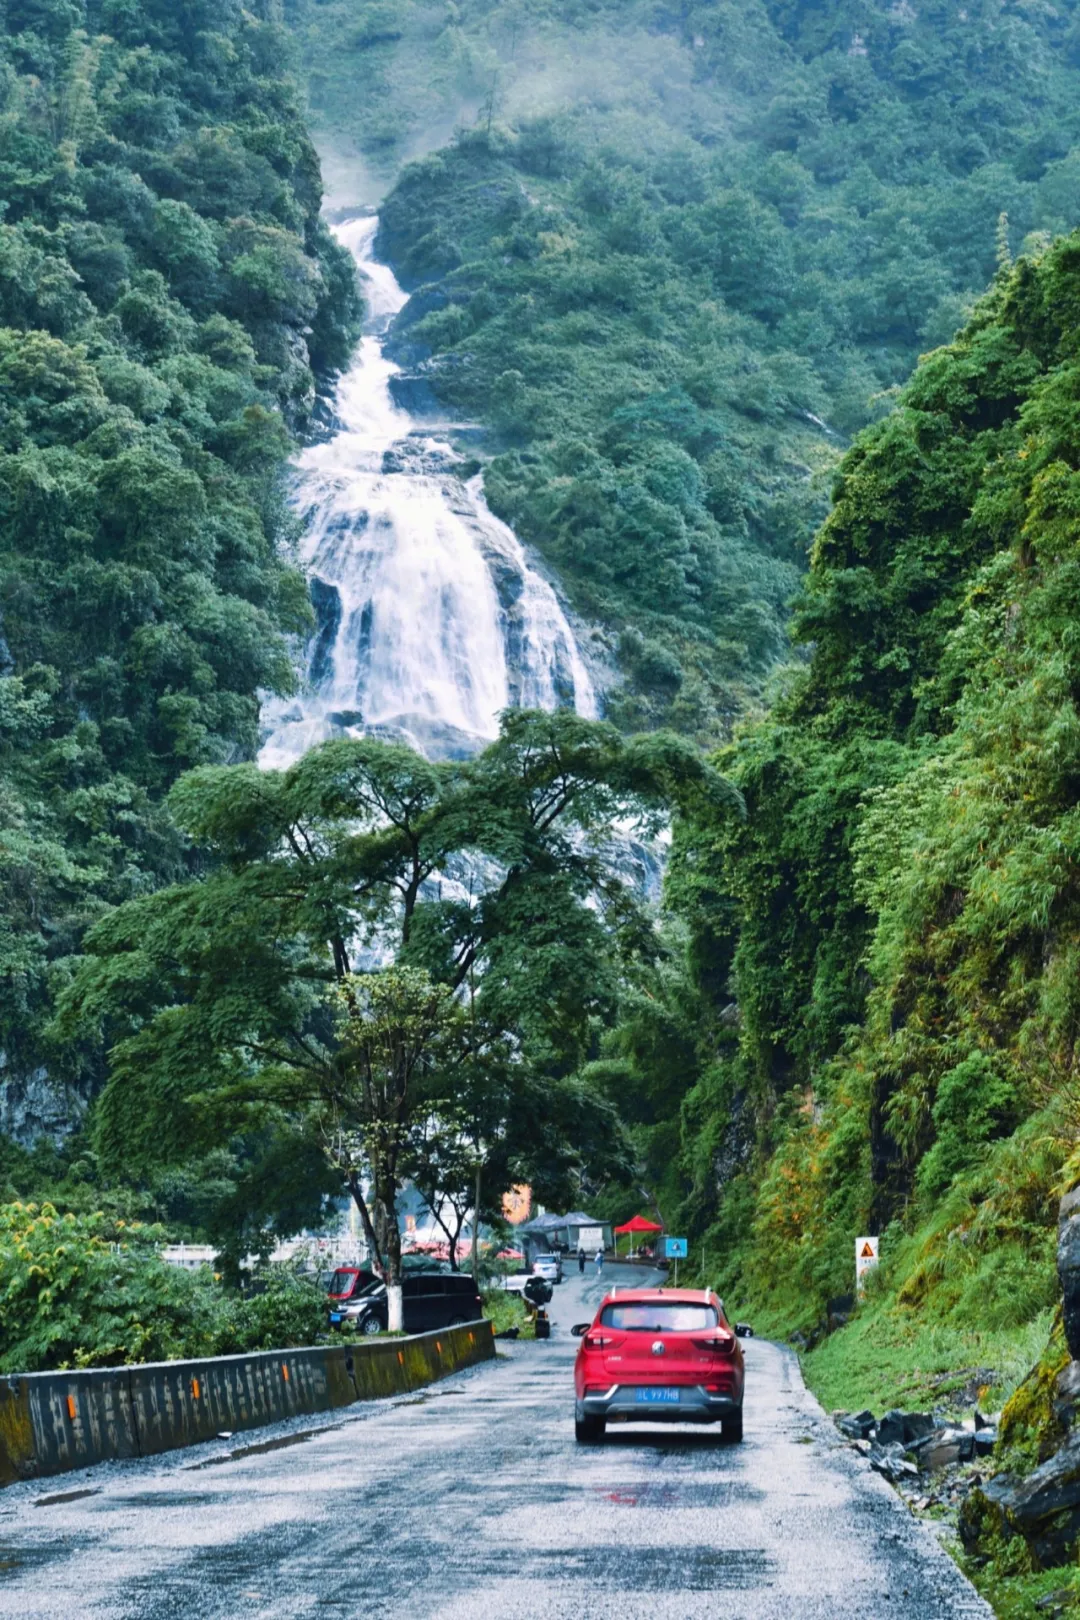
[(659, 1397), (335, 1316)]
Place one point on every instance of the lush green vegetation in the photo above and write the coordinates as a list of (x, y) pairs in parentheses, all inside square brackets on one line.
[(87, 1291), (678, 254), (167, 294), (672, 291), (896, 917)]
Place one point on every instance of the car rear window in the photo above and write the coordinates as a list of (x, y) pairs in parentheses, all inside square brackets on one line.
[(662, 1317), (460, 1285), (426, 1283)]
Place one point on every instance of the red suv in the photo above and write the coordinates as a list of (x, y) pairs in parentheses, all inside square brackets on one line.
[(666, 1355)]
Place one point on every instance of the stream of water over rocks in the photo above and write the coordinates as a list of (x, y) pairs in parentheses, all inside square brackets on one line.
[(431, 618)]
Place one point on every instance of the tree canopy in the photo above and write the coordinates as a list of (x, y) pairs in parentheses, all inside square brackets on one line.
[(312, 975)]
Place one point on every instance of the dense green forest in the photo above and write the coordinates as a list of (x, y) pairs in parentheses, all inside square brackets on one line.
[(168, 295), (897, 912), (676, 256)]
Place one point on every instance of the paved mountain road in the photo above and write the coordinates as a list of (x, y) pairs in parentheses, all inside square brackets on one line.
[(472, 1500)]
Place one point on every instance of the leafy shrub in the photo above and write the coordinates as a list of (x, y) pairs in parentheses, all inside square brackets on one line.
[(975, 1102), (93, 1291), (289, 1310), (84, 1291)]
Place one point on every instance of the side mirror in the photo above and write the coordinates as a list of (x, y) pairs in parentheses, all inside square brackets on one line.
[(744, 1330), (579, 1328)]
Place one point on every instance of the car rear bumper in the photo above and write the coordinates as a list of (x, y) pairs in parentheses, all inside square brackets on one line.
[(620, 1404)]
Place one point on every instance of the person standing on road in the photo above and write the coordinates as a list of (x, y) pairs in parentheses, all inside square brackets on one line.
[(599, 1262), (581, 1262)]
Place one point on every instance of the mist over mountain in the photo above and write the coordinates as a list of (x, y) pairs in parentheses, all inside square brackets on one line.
[(674, 257)]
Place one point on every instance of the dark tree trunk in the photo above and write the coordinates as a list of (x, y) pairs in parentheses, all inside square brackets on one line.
[(365, 1218), (476, 1226)]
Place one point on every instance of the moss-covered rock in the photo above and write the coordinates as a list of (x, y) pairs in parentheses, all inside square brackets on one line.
[(1031, 1428)]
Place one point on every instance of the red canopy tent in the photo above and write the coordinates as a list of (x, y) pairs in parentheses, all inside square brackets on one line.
[(637, 1227)]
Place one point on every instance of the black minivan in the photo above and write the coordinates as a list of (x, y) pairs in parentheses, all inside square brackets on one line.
[(429, 1300)]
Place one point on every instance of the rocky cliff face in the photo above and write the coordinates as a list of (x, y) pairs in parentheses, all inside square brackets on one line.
[(33, 1105)]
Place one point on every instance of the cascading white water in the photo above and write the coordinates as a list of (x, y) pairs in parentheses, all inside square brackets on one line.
[(431, 619)]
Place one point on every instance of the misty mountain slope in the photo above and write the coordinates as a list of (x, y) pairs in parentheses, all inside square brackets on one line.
[(677, 257)]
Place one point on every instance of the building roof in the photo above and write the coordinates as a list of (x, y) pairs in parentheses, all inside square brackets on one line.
[(550, 1223)]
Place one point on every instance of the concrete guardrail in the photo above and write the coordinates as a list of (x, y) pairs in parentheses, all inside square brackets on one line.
[(52, 1422)]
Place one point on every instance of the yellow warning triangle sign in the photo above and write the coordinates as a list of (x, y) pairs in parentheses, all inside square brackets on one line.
[(867, 1252)]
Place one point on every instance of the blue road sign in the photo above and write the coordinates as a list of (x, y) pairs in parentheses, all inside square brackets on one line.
[(675, 1248)]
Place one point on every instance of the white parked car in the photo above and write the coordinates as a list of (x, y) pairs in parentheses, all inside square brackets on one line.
[(548, 1266), (533, 1289)]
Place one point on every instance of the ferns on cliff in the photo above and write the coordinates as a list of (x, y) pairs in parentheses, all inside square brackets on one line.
[(909, 955)]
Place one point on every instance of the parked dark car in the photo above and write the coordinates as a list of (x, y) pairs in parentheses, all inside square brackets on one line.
[(429, 1300)]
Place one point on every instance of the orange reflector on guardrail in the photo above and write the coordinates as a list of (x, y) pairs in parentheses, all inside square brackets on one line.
[(71, 1407), (284, 1372), (401, 1357), (438, 1346), (195, 1388)]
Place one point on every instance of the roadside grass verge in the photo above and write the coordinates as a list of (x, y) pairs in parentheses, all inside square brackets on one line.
[(1016, 1597), (508, 1310), (888, 1356)]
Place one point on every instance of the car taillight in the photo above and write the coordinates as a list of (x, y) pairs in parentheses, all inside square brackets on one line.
[(721, 1343), (601, 1341)]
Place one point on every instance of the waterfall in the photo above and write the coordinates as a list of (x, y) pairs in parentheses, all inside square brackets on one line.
[(431, 619)]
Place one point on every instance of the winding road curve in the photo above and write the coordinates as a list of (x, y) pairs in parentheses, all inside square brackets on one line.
[(472, 1500)]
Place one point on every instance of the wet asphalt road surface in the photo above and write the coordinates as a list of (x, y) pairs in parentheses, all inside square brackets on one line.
[(472, 1500)]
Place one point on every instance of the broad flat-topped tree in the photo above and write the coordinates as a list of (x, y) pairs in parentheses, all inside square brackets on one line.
[(265, 990)]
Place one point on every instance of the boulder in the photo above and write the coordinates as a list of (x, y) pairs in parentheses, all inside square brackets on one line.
[(1068, 1265), (890, 1428), (917, 1425), (943, 1447), (1059, 1602), (856, 1425), (890, 1462), (1001, 1486), (904, 1427), (980, 1520), (1067, 1394), (985, 1441), (1045, 1507)]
